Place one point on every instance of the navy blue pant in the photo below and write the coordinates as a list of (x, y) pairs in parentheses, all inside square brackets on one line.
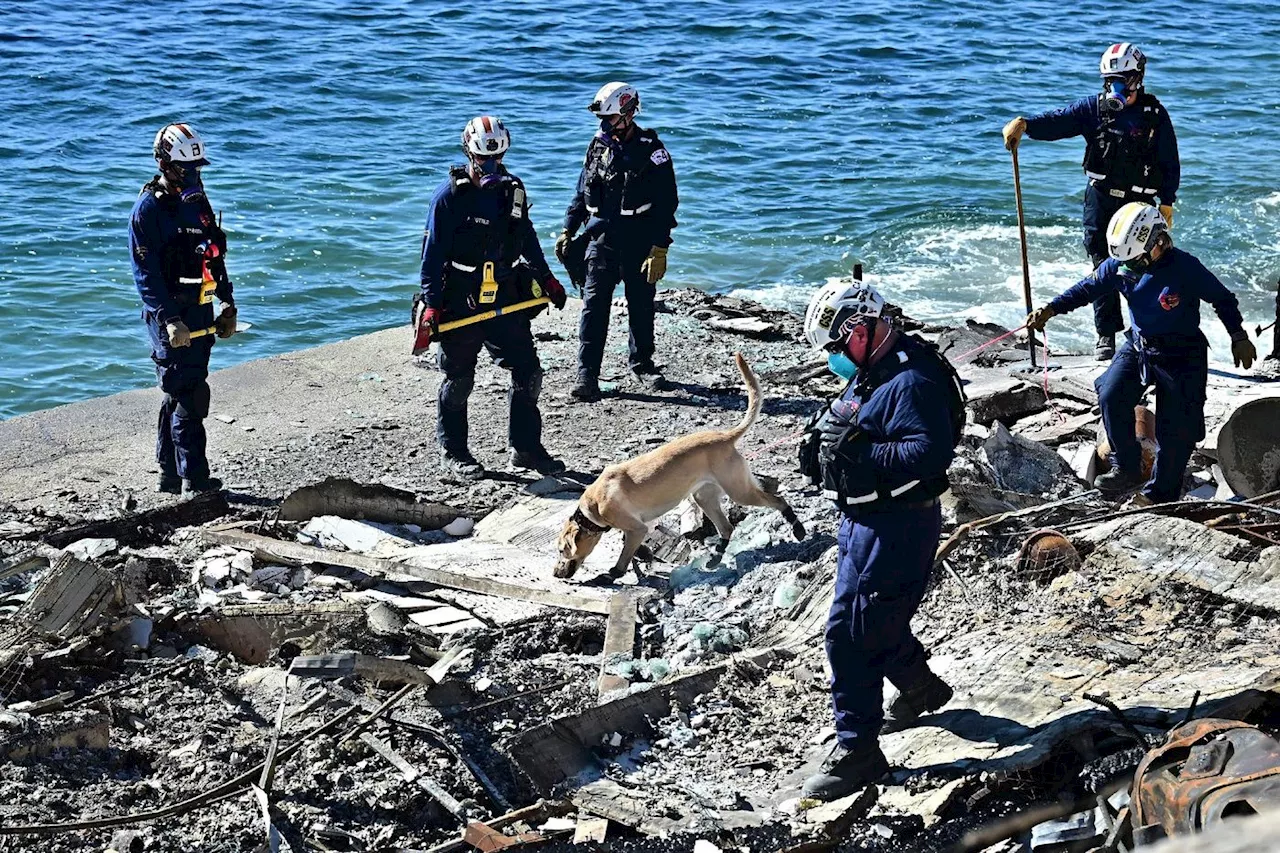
[(1099, 207), (1180, 380), (510, 344), (884, 560), (605, 268), (183, 373)]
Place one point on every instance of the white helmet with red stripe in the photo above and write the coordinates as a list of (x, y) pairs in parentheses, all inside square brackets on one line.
[(1122, 60), (179, 143), (485, 136), (616, 99)]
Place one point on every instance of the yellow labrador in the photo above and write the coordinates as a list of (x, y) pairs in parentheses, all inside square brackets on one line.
[(632, 495)]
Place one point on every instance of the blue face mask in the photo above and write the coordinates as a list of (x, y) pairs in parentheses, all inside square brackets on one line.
[(489, 171), (841, 365), (1115, 93)]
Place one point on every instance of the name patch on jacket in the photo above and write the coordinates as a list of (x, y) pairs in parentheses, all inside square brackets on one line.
[(660, 156)]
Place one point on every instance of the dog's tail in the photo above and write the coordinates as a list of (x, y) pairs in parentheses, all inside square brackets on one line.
[(753, 398)]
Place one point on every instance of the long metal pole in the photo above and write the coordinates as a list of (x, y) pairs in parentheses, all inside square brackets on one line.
[(1022, 236)]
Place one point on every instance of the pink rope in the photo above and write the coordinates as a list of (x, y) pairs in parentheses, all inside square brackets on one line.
[(1047, 399), (991, 342), (790, 439)]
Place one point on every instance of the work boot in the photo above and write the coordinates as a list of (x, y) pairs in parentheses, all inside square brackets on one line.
[(170, 484), (846, 771), (1117, 481), (198, 485), (1105, 348), (537, 459), (649, 376), (923, 698), (461, 465), (587, 390)]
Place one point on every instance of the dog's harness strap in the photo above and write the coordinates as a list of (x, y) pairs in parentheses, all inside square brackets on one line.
[(582, 521)]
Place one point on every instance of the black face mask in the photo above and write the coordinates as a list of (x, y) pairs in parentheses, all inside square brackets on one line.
[(186, 180), (1136, 266)]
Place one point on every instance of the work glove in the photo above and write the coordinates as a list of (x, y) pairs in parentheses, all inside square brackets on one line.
[(179, 334), (1243, 351), (1036, 319), (1013, 132), (555, 290), (1166, 210), (225, 325), (562, 244), (432, 318), (655, 266)]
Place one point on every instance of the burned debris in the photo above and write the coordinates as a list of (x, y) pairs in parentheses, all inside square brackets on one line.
[(359, 667)]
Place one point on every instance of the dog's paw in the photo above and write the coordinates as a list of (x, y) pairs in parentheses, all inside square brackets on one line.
[(564, 571), (798, 531)]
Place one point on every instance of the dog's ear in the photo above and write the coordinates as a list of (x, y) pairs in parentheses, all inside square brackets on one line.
[(568, 537)]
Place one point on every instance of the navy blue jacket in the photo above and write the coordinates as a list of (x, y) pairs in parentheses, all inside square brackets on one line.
[(626, 193), (458, 226), (165, 235), (906, 426), (1165, 300), (1084, 117)]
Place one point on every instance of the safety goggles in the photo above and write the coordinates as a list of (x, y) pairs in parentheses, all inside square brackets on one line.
[(1129, 81)]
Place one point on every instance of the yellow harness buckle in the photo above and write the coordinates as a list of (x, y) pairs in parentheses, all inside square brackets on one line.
[(207, 287), (488, 285)]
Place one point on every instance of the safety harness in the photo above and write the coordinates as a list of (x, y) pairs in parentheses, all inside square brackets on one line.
[(501, 239), (822, 463), (604, 168), (1121, 165), (193, 264)]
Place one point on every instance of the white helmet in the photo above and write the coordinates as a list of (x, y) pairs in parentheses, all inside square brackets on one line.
[(1134, 230), (1121, 60), (179, 143), (486, 136), (836, 308), (616, 99)]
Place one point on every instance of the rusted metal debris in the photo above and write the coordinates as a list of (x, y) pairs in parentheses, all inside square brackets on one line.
[(1047, 553), (1207, 771)]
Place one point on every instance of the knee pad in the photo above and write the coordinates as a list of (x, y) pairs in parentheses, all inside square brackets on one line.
[(194, 404), (455, 390), (529, 386)]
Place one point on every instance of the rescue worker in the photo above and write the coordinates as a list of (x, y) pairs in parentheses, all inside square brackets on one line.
[(177, 250), (626, 197), (1164, 347), (881, 451), (1131, 154), (479, 253)]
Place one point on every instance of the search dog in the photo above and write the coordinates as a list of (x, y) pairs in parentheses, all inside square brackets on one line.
[(632, 495)]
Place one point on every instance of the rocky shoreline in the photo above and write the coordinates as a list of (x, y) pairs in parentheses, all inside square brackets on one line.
[(146, 646)]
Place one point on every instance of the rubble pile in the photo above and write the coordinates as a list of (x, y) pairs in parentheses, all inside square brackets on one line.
[(351, 664)]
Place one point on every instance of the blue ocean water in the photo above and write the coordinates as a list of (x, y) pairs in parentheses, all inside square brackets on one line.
[(805, 138)]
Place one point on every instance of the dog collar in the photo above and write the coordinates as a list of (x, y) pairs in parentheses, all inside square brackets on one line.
[(581, 518)]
